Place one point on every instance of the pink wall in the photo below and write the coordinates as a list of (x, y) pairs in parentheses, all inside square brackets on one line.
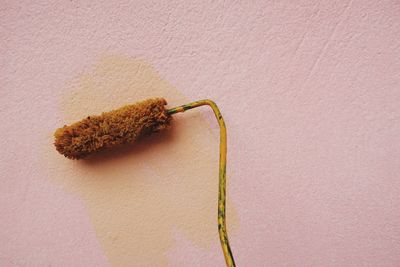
[(310, 91)]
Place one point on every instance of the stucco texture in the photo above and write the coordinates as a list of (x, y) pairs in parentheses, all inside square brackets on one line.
[(310, 91)]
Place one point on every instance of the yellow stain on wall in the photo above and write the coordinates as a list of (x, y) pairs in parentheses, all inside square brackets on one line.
[(138, 194)]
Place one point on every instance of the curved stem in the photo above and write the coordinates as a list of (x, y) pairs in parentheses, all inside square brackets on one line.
[(223, 235)]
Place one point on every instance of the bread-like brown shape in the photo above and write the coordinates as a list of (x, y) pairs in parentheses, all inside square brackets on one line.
[(120, 126)]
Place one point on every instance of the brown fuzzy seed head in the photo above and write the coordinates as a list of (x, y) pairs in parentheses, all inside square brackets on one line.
[(120, 126)]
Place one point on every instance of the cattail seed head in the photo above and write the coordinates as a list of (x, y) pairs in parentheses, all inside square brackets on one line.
[(117, 127)]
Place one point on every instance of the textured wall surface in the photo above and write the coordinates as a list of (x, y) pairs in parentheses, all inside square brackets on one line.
[(310, 91)]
